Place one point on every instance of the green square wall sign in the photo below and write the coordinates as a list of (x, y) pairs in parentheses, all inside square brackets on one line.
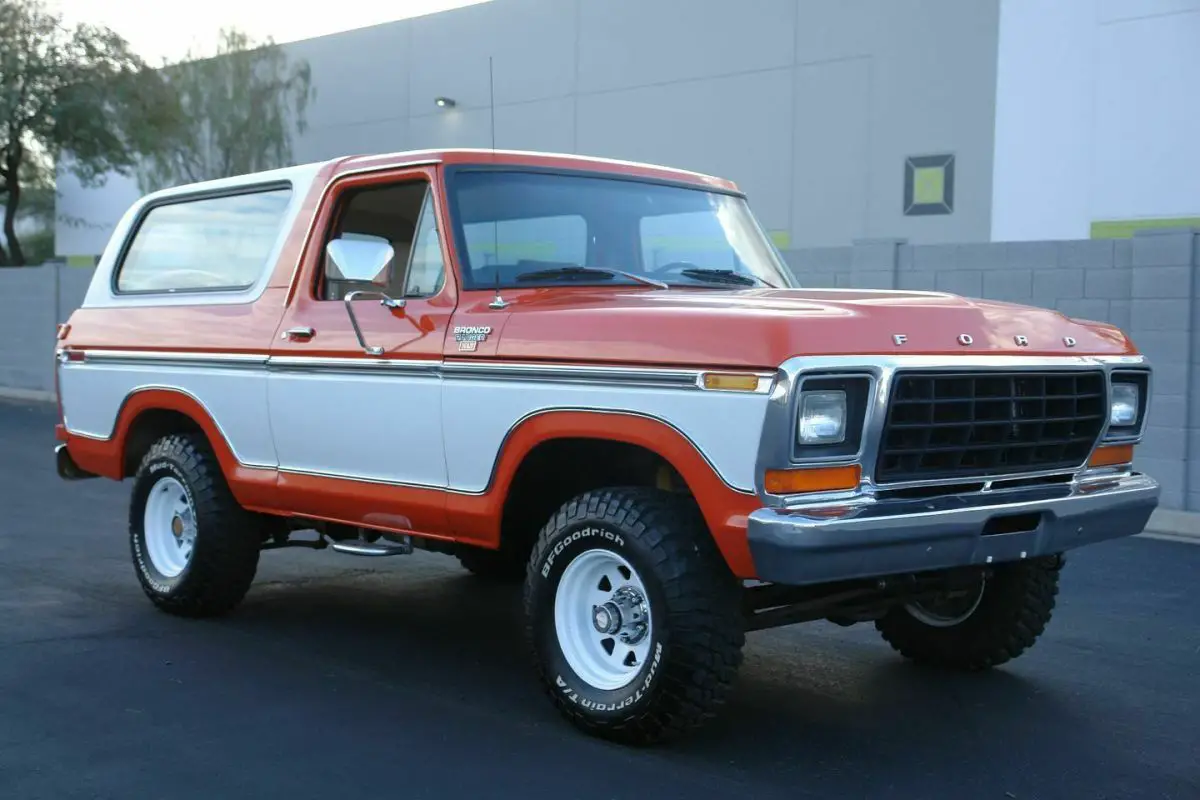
[(928, 185)]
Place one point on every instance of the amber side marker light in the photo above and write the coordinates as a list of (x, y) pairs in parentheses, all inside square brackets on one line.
[(731, 381), (1112, 456), (816, 479)]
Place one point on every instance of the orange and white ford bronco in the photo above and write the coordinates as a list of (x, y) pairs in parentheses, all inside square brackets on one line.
[(601, 379)]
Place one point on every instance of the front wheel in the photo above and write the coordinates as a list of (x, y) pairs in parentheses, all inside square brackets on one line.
[(633, 617), (982, 627)]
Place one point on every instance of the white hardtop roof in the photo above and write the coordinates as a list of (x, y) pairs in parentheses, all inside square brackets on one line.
[(303, 173)]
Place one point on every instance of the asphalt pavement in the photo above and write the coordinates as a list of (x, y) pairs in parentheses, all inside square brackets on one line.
[(406, 678)]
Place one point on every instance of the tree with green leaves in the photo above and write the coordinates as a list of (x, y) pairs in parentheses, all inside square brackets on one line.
[(70, 90), (239, 110)]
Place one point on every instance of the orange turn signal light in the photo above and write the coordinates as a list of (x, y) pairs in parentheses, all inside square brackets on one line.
[(1111, 456), (731, 381), (815, 479)]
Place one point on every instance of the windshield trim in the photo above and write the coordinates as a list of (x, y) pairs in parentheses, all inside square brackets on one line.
[(452, 170), (450, 173)]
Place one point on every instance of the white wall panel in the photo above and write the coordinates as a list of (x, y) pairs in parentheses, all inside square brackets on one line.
[(626, 43), (710, 85), (737, 127), (360, 77), (454, 128), (1095, 116), (831, 152), (532, 43), (547, 125), (1146, 161)]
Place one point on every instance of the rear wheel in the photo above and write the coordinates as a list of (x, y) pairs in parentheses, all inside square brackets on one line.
[(194, 548), (983, 626), (633, 617)]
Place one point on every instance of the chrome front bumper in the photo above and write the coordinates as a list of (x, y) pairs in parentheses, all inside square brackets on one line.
[(889, 537)]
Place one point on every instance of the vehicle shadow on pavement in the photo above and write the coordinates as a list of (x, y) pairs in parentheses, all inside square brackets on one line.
[(817, 700)]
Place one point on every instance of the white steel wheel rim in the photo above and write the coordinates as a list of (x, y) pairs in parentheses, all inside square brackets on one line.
[(169, 526), (605, 652), (951, 614)]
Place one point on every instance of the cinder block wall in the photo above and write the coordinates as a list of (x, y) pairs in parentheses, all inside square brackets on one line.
[(1148, 285), (33, 300), (27, 320)]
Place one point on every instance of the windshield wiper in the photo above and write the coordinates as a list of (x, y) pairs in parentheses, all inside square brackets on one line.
[(724, 276), (587, 272)]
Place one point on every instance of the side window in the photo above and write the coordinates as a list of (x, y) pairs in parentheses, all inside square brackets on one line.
[(695, 237), (518, 244), (427, 272), (213, 243), (389, 213)]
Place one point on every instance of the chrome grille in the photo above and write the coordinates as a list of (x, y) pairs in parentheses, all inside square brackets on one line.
[(950, 425)]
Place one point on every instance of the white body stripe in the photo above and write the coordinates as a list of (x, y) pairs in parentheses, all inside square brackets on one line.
[(235, 396), (409, 423), (384, 427), (479, 414)]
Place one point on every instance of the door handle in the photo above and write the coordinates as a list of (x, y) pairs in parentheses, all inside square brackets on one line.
[(298, 333)]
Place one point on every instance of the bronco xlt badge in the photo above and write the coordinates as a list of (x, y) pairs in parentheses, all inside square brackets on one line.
[(469, 336)]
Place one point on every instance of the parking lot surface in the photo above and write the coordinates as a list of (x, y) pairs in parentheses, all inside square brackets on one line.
[(406, 678)]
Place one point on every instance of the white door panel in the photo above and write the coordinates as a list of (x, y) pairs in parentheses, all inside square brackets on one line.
[(384, 427)]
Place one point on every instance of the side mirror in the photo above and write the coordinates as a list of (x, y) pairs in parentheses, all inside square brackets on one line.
[(360, 260)]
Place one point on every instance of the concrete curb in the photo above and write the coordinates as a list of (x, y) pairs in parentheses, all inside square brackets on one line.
[(1174, 526), (1167, 525)]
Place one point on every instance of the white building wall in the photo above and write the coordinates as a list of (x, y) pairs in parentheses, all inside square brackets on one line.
[(811, 106), (1096, 115)]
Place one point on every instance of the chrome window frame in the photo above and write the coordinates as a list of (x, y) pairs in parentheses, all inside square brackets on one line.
[(779, 423)]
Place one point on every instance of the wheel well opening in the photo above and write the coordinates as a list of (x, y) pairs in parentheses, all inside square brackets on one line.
[(149, 427), (557, 470)]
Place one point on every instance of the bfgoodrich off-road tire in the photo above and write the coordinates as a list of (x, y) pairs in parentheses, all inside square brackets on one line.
[(180, 481), (651, 552), (1012, 612)]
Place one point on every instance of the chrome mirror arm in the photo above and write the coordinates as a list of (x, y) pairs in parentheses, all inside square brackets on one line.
[(384, 300)]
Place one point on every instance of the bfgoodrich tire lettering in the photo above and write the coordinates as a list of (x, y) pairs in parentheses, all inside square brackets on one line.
[(224, 556), (695, 624)]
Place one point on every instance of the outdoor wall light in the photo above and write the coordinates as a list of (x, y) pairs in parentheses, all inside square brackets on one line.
[(445, 102)]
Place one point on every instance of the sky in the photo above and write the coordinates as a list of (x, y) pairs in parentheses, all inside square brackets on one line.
[(158, 30)]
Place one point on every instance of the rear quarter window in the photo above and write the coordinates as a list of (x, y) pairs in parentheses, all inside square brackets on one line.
[(217, 243)]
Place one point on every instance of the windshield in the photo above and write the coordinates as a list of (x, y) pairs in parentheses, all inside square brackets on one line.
[(550, 229)]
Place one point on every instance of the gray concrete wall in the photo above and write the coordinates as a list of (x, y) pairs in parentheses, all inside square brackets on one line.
[(1149, 286), (812, 106), (33, 300)]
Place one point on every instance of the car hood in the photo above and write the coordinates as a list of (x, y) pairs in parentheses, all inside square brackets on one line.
[(761, 328)]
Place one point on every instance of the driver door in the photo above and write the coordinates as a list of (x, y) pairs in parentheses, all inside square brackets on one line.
[(354, 392)]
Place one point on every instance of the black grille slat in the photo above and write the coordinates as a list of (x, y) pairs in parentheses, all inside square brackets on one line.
[(954, 425)]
